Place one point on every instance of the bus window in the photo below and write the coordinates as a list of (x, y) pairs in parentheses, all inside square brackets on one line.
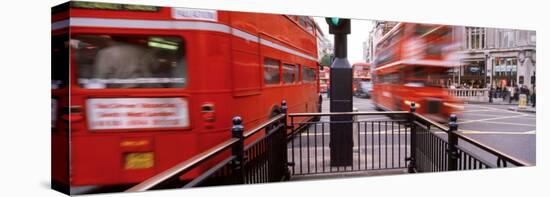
[(60, 61), (115, 61), (290, 73), (308, 74), (271, 71)]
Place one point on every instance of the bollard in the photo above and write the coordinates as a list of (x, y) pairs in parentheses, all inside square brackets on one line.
[(453, 143), (237, 131), (411, 168)]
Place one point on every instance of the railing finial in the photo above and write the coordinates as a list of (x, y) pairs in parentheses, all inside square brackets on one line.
[(283, 106), (413, 106), (237, 129), (453, 126)]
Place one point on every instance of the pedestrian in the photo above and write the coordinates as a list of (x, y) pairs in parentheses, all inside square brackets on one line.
[(516, 93), (534, 97), (510, 94)]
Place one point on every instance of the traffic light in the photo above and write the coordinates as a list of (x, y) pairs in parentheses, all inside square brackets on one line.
[(338, 26)]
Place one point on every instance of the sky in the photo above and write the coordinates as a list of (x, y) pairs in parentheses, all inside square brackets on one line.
[(359, 33)]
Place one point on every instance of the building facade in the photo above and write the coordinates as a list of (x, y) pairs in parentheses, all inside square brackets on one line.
[(494, 57), (379, 30), (490, 57)]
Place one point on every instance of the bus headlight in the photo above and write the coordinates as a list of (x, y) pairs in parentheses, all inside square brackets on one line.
[(456, 106)]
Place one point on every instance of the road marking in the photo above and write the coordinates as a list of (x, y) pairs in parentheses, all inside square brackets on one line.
[(395, 132), (497, 118), (502, 110), (510, 123), (464, 131), (475, 110), (490, 115)]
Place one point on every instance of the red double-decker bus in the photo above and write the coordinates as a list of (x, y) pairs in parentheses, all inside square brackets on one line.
[(362, 84), (411, 64), (150, 87)]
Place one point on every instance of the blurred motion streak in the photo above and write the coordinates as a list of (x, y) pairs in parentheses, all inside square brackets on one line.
[(411, 65)]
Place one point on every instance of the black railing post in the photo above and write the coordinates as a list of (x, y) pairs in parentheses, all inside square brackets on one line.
[(238, 149), (411, 159), (282, 141), (453, 143)]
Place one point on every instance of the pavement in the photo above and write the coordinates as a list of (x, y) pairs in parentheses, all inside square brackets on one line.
[(528, 109), (513, 106)]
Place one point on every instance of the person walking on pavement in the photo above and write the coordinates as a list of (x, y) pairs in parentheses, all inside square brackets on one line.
[(510, 94), (516, 93), (533, 97)]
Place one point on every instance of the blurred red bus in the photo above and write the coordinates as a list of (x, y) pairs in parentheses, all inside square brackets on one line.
[(411, 65), (153, 86), (362, 85), (324, 79)]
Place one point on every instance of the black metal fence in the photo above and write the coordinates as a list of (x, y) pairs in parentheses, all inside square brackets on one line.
[(388, 140), (261, 161), (439, 148), (378, 143)]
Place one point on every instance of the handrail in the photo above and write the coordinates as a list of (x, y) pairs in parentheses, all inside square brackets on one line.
[(348, 113), (188, 164), (424, 118), (509, 158), (182, 167), (260, 127)]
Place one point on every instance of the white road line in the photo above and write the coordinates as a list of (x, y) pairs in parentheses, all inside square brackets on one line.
[(490, 115), (502, 110), (498, 132), (497, 118), (511, 123), (476, 110), (395, 132)]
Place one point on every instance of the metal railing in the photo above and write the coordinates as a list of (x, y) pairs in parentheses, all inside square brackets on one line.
[(261, 161), (389, 140), (473, 95), (378, 143), (440, 148)]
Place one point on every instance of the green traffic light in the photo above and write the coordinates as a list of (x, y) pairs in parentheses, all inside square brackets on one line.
[(335, 20)]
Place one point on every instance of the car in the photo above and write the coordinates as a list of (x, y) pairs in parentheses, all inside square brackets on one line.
[(364, 89)]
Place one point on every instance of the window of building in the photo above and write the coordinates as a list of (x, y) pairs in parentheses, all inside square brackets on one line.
[(506, 38), (506, 66), (308, 74), (271, 71), (290, 73), (121, 61), (475, 37)]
